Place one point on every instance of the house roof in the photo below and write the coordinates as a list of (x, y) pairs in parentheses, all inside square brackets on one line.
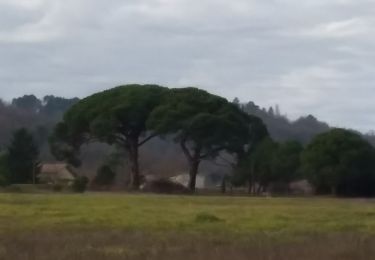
[(60, 171)]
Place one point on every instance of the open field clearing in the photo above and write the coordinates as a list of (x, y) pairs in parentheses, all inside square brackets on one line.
[(121, 226)]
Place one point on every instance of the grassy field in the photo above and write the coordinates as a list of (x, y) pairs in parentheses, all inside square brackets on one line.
[(123, 226)]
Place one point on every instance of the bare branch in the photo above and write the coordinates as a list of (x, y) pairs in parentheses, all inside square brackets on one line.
[(226, 160), (211, 152), (146, 139)]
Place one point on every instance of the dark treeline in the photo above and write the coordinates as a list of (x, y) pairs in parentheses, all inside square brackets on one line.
[(175, 125), (282, 129), (38, 115)]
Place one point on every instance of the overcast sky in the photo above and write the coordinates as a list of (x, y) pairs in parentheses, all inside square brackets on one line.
[(309, 56)]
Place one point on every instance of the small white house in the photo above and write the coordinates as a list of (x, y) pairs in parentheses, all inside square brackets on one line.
[(203, 181), (301, 187)]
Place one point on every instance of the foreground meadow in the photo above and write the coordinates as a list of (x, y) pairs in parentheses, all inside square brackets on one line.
[(123, 226)]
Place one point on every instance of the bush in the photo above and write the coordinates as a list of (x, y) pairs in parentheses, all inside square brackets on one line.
[(57, 187), (80, 184), (207, 218), (105, 176)]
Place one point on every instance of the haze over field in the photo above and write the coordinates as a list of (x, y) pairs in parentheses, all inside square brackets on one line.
[(310, 57)]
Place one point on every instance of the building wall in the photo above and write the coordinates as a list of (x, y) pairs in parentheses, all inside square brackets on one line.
[(184, 180)]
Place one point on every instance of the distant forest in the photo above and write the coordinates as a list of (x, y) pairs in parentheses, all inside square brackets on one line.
[(41, 115), (283, 129)]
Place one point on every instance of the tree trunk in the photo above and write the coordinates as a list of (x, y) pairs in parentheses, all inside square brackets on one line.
[(193, 171), (333, 191), (224, 185), (134, 164), (250, 187), (252, 182), (194, 159)]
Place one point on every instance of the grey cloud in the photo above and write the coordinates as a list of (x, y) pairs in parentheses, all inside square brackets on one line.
[(309, 56)]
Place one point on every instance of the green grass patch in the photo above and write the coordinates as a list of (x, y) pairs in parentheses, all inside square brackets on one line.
[(123, 226), (207, 218), (195, 214)]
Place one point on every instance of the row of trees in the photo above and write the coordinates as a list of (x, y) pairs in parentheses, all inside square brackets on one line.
[(269, 163), (204, 125), (38, 116), (338, 162), (49, 106), (282, 129), (129, 116)]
